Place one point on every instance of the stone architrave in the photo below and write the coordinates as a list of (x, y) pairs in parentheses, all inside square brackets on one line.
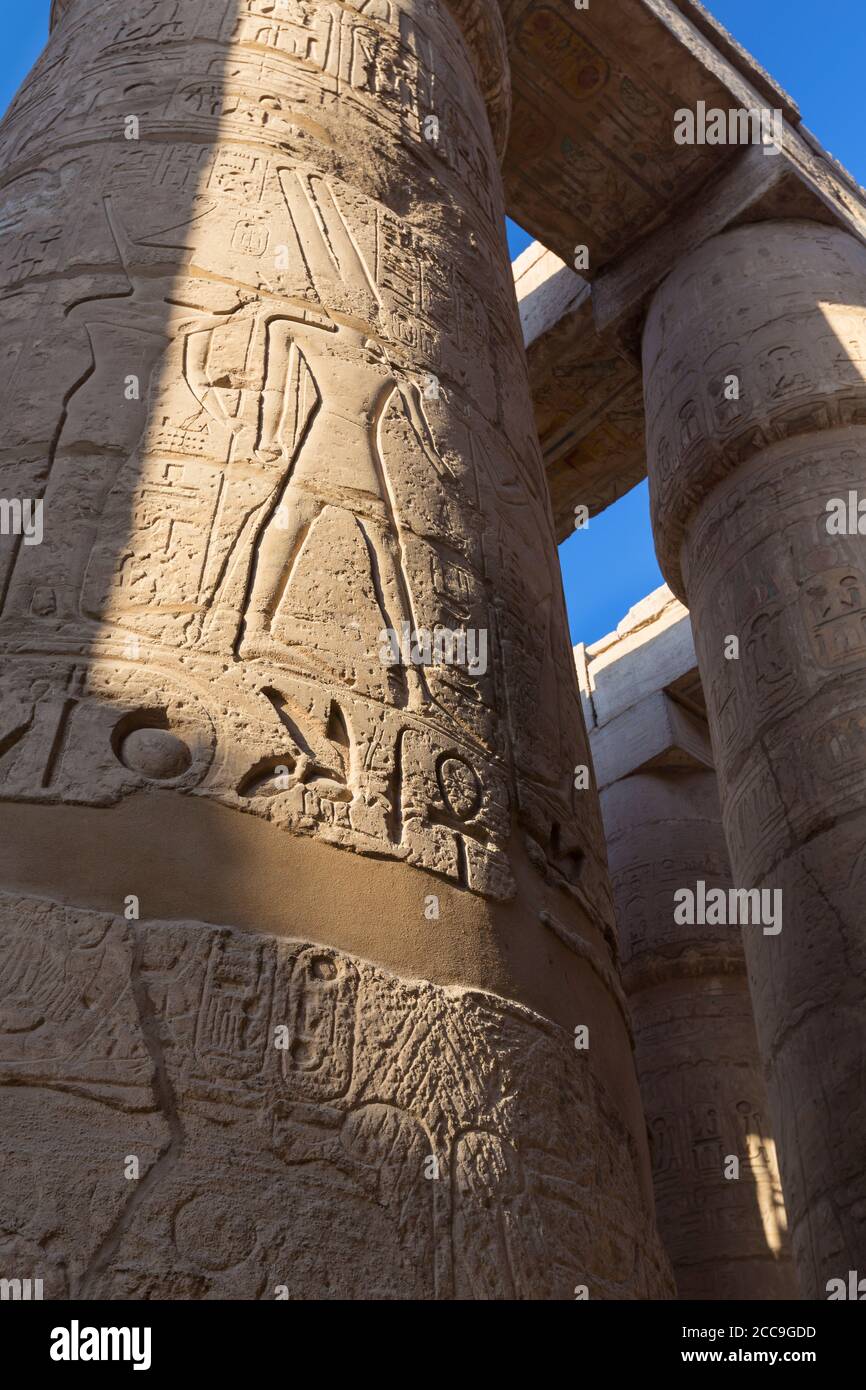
[(754, 353), (281, 1012)]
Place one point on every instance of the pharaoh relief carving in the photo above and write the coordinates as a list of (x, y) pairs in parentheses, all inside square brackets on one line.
[(284, 422)]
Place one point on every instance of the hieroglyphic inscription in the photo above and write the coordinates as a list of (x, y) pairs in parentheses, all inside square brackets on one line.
[(446, 1133), (278, 485)]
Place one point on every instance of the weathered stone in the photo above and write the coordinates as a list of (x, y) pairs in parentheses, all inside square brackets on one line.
[(740, 487), (587, 397), (594, 171), (718, 1194), (591, 157), (306, 1125), (650, 650), (264, 373)]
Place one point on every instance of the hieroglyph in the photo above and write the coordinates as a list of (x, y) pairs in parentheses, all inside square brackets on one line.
[(218, 339)]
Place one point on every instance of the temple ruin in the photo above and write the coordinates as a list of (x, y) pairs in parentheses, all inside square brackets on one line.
[(341, 948)]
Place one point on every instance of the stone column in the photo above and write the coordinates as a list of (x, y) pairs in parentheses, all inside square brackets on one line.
[(754, 355), (723, 1222), (283, 1010)]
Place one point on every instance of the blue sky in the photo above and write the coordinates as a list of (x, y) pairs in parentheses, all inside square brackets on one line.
[(815, 51)]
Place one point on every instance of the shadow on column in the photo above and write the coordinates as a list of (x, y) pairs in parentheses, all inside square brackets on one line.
[(164, 163)]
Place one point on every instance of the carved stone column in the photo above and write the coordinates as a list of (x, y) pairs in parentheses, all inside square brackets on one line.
[(723, 1224), (756, 405), (282, 1006)]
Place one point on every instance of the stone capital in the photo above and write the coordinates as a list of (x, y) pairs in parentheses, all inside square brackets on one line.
[(757, 337)]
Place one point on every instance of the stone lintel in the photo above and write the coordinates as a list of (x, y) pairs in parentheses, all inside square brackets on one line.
[(793, 184), (591, 158), (583, 340), (739, 57), (655, 733), (592, 161), (652, 649), (621, 293), (587, 399), (643, 702)]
